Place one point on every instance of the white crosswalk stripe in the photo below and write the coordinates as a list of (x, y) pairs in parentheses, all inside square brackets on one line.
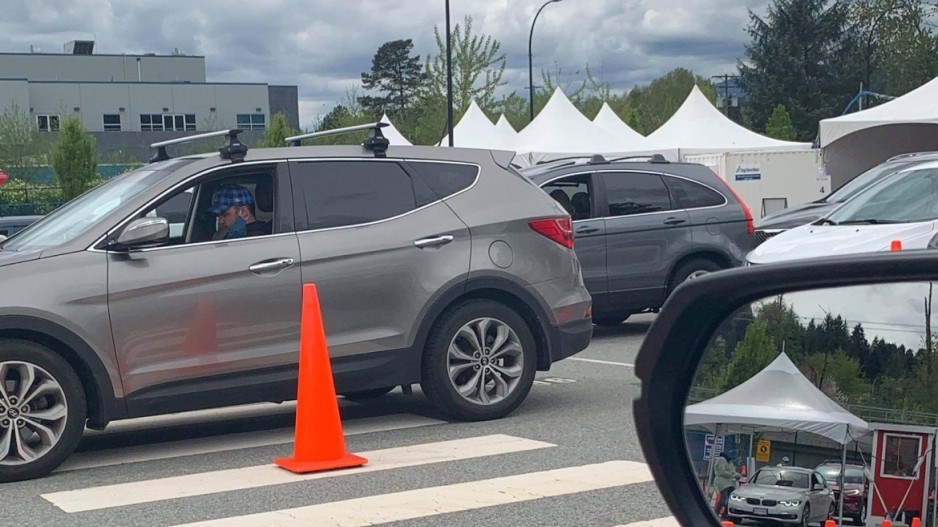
[(669, 521), (207, 445), (434, 501), (200, 484)]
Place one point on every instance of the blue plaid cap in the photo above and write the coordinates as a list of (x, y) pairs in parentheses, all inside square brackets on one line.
[(230, 195)]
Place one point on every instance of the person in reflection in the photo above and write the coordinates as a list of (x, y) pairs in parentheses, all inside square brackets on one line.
[(784, 462), (724, 481)]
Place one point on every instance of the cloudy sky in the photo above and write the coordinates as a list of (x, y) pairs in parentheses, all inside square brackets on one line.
[(322, 46)]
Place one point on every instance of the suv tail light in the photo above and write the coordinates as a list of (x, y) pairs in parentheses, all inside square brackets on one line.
[(559, 229), (750, 227)]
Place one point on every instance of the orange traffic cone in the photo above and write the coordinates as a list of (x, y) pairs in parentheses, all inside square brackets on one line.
[(727, 523), (896, 245), (886, 523), (916, 522), (830, 523), (318, 441)]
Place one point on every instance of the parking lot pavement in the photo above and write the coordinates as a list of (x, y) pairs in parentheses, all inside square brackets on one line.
[(567, 457)]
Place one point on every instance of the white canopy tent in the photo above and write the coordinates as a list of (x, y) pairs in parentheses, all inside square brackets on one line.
[(561, 130), (505, 126), (610, 122), (391, 133), (475, 130), (855, 142), (697, 127), (780, 397)]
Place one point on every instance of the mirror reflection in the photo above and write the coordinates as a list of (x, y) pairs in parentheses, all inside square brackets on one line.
[(820, 405)]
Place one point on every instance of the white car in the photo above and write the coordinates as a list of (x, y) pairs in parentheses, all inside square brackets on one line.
[(899, 212)]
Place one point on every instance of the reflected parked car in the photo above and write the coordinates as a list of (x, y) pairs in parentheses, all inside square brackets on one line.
[(783, 494), (856, 488), (798, 215), (901, 211)]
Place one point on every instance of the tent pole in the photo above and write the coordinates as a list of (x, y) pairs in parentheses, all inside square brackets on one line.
[(843, 480), (713, 455)]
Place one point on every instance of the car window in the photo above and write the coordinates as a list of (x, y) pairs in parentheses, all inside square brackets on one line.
[(818, 479), (191, 212), (902, 198), (859, 183), (631, 193), (691, 195), (342, 193), (574, 194), (445, 179), (782, 478)]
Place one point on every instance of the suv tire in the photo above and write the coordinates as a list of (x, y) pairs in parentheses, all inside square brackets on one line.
[(505, 359), (692, 268), (54, 404), (610, 319)]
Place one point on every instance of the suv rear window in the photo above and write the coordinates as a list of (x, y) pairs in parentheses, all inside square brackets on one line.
[(445, 179), (690, 195), (341, 193)]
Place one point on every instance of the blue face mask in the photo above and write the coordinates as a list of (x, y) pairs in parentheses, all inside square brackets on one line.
[(238, 230)]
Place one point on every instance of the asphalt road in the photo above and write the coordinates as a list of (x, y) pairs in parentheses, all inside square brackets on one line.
[(568, 456)]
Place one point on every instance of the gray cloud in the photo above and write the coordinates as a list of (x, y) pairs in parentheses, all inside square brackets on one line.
[(323, 45)]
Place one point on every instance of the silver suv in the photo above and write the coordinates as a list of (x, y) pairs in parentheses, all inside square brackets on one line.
[(436, 266)]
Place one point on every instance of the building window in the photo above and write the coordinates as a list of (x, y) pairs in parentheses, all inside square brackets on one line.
[(47, 123), (112, 122), (251, 121), (159, 122)]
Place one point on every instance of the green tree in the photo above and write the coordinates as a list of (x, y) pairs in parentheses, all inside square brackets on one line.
[(756, 351), (74, 158), (803, 55), (779, 125), (277, 132), (897, 42), (478, 64), (395, 75), (22, 147), (837, 375), (657, 102), (349, 112)]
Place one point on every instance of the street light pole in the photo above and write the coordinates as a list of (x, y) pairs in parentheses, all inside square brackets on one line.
[(449, 79), (530, 64)]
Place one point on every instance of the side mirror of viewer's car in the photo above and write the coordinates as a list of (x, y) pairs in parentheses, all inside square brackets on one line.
[(732, 357)]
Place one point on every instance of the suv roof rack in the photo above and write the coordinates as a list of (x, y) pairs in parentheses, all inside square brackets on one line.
[(911, 155), (559, 159), (234, 150), (377, 143), (652, 158)]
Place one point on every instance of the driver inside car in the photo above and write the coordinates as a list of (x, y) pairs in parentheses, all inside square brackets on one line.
[(235, 208)]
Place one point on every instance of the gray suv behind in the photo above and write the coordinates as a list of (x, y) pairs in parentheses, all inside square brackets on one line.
[(436, 266), (644, 226)]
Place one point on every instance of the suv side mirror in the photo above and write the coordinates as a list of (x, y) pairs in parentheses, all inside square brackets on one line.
[(144, 232), (818, 486)]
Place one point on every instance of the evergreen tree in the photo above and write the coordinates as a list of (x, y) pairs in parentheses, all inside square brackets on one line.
[(74, 159), (779, 125), (395, 75), (277, 132)]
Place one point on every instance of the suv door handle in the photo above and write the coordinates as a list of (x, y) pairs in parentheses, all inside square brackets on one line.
[(437, 241), (271, 265), (587, 230), (674, 221)]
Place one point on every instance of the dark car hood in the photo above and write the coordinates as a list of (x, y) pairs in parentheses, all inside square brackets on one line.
[(12, 257), (796, 216)]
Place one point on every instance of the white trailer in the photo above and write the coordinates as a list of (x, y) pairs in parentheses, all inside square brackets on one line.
[(770, 180)]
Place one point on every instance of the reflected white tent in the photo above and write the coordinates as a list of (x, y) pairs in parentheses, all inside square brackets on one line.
[(391, 133), (698, 127), (475, 130), (779, 397), (610, 122)]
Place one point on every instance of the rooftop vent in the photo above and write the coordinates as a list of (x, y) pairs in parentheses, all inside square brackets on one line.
[(79, 47)]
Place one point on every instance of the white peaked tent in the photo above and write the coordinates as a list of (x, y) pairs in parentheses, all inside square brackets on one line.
[(779, 397), (610, 122), (505, 126), (391, 133), (855, 142), (698, 127), (560, 129), (475, 130)]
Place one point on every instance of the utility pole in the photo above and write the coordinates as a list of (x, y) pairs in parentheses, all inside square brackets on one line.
[(726, 91), (449, 79)]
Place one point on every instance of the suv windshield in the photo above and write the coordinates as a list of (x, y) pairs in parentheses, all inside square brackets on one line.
[(77, 216), (832, 472), (907, 197)]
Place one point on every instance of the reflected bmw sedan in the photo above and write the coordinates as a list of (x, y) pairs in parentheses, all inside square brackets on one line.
[(791, 495)]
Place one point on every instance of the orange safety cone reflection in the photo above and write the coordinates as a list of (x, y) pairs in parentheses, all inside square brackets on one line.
[(830, 523), (727, 523), (916, 522), (886, 523), (201, 339), (896, 245), (318, 441)]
